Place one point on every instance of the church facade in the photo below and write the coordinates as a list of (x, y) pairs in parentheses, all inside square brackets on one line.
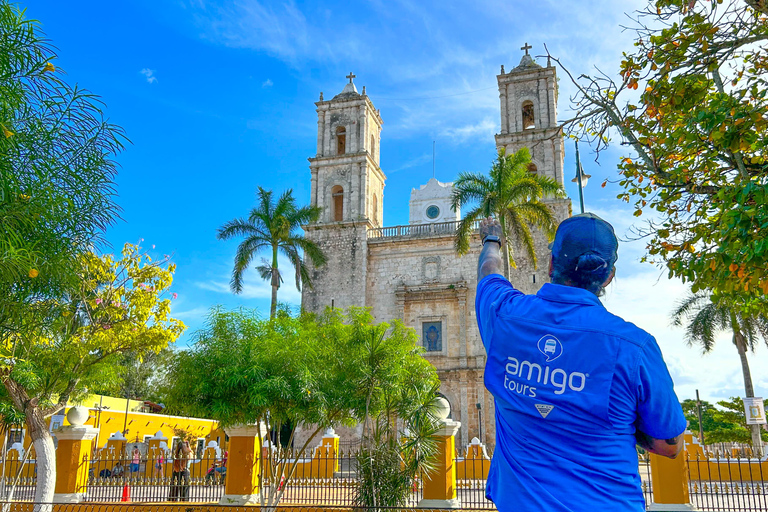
[(412, 272)]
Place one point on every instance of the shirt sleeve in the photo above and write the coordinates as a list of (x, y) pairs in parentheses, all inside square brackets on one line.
[(492, 291), (659, 413)]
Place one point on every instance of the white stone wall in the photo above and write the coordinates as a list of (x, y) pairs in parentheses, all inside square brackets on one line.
[(432, 193)]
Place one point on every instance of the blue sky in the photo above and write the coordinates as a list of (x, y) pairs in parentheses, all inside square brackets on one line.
[(217, 98)]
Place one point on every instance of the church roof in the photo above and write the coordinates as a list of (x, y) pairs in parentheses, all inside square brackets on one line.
[(526, 62), (349, 93)]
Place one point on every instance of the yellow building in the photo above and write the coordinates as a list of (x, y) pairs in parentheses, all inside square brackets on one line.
[(118, 418)]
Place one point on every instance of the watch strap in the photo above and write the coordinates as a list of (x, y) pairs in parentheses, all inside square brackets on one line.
[(492, 238)]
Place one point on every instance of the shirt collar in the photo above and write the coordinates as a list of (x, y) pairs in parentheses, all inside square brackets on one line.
[(568, 294)]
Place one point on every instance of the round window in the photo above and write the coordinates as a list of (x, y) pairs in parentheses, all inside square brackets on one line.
[(433, 212)]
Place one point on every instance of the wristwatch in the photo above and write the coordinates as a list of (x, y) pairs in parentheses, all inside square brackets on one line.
[(492, 238)]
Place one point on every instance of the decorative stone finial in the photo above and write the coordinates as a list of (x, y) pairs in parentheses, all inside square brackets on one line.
[(363, 90), (442, 408), (78, 415), (321, 95), (502, 69)]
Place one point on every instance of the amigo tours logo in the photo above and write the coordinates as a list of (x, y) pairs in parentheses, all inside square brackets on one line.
[(522, 377)]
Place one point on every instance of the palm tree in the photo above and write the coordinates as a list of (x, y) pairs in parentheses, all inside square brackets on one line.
[(706, 316), (513, 194), (273, 225)]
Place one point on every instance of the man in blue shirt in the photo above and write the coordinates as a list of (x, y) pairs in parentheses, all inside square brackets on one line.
[(575, 387)]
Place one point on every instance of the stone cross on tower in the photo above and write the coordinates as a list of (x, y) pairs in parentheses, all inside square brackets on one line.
[(526, 48), (351, 76)]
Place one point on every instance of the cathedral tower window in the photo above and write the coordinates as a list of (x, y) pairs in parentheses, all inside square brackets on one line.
[(375, 210), (341, 140), (373, 146), (337, 193), (529, 120)]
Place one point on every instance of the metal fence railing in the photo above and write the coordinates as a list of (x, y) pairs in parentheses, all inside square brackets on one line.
[(472, 464), (724, 483), (155, 480), (19, 480)]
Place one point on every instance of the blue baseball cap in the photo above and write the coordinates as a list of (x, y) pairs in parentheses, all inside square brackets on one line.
[(582, 234)]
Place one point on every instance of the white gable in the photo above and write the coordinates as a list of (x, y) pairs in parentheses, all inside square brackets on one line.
[(432, 203)]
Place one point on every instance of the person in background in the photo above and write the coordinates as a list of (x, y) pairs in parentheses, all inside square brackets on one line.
[(575, 387), (135, 459), (180, 472), (159, 464)]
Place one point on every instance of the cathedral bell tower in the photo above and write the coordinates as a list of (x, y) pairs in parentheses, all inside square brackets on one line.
[(348, 184), (528, 96)]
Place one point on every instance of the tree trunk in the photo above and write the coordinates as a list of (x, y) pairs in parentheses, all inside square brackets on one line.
[(45, 456), (741, 346), (273, 306), (275, 283)]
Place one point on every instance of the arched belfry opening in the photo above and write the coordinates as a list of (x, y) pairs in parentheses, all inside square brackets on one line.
[(373, 146), (337, 194), (529, 120), (341, 140)]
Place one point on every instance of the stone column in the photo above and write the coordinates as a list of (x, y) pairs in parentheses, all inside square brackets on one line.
[(503, 102), (242, 484), (440, 486), (320, 132), (669, 479), (73, 456)]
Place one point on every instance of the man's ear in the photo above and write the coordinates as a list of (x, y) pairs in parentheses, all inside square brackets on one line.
[(610, 278)]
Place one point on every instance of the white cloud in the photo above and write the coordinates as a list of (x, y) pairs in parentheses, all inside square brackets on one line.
[(483, 130), (149, 74), (267, 83), (256, 288)]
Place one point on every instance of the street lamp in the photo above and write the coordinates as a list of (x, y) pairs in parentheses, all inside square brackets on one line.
[(480, 419), (581, 178)]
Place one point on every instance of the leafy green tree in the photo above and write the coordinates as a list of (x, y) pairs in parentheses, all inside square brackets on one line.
[(117, 309), (56, 198), (732, 423), (137, 377), (705, 316), (696, 130), (514, 195), (305, 370), (708, 421), (273, 225), (390, 460)]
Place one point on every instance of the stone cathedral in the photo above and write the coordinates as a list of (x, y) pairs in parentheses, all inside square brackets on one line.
[(412, 272)]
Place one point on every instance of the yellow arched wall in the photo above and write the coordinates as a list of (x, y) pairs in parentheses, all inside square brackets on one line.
[(113, 418)]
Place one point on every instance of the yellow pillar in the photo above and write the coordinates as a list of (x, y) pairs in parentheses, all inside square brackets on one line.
[(157, 451), (440, 486), (330, 442), (73, 456), (242, 482), (669, 480)]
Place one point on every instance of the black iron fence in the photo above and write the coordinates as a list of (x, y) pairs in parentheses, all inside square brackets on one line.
[(138, 507), (728, 483), (19, 480), (472, 464), (155, 480)]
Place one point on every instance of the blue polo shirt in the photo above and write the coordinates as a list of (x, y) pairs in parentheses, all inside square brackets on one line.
[(572, 383)]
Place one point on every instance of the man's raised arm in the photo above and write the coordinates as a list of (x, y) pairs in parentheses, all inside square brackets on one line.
[(490, 261)]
